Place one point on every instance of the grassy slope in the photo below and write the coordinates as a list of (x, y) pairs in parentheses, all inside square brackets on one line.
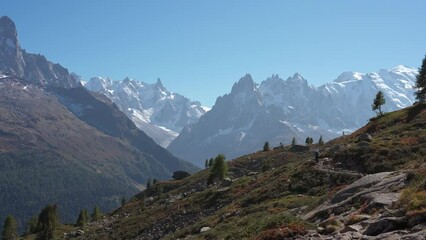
[(271, 189)]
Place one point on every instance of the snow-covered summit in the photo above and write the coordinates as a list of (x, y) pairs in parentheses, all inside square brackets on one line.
[(277, 110), (161, 114)]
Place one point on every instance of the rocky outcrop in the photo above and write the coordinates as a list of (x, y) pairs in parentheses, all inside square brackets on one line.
[(366, 209)]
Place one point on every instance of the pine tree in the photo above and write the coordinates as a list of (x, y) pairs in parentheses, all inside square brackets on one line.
[(86, 215), (206, 164), (421, 82), (320, 141), (155, 181), (148, 184), (211, 161), (219, 169), (48, 221), (123, 201), (82, 220), (293, 141), (309, 141), (10, 228), (97, 214), (266, 147), (32, 225), (378, 102)]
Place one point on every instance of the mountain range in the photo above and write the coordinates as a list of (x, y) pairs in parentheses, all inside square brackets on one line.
[(277, 110), (161, 114), (60, 143)]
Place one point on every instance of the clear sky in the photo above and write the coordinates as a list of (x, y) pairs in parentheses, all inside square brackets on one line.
[(199, 48)]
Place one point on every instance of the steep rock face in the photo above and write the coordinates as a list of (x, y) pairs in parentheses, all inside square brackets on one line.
[(278, 110), (34, 68), (160, 113)]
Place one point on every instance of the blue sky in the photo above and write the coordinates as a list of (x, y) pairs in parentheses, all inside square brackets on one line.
[(200, 48)]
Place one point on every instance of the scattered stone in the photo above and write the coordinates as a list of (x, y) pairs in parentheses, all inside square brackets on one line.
[(204, 229), (79, 232), (352, 228), (226, 182)]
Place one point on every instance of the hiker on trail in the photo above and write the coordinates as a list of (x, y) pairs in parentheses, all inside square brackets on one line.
[(316, 155)]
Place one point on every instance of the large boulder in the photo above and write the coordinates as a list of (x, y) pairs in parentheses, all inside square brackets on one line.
[(365, 137), (178, 175)]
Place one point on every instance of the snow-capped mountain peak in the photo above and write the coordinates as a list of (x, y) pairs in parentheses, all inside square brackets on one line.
[(349, 76), (161, 114), (277, 110)]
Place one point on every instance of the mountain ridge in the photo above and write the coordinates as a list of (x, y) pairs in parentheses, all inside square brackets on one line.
[(291, 108), (155, 110)]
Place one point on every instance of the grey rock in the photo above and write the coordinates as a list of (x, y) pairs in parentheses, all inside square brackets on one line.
[(365, 137), (226, 182), (383, 225)]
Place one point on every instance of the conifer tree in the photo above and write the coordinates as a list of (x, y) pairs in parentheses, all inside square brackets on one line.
[(320, 141), (378, 102), (86, 215), (48, 221), (82, 220), (32, 225), (148, 184), (206, 164), (97, 214), (155, 181), (421, 82), (123, 201), (10, 228), (266, 147), (219, 169), (211, 161), (293, 141)]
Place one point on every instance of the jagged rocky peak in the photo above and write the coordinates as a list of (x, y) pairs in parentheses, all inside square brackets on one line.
[(34, 68), (297, 78), (160, 85), (9, 36), (245, 83), (11, 57), (161, 114)]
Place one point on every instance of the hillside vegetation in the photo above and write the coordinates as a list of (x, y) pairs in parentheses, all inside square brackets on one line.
[(361, 186), (59, 153)]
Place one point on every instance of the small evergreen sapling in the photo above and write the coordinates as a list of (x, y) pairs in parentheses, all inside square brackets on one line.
[(266, 147), (293, 141), (320, 141), (123, 201)]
